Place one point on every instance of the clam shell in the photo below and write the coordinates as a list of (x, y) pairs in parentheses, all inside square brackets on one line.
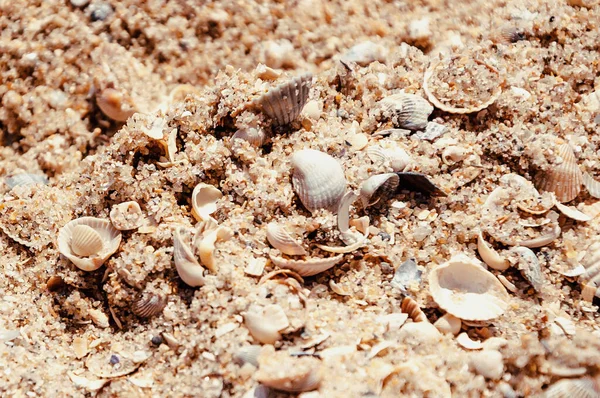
[(448, 324), (115, 104), (585, 387), (255, 136), (283, 372), (419, 183), (189, 269), (72, 233), (592, 186), (265, 323), (529, 265), (463, 288), (284, 103), (204, 201), (318, 179), (491, 256), (409, 306), (378, 187), (280, 239), (308, 267), (148, 305), (25, 179), (564, 178), (590, 278), (126, 216), (407, 110)]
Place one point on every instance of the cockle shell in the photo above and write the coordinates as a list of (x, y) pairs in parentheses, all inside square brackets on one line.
[(265, 323), (308, 267), (115, 104), (148, 305), (491, 256), (280, 239), (93, 238), (25, 179), (590, 279), (378, 187), (204, 201), (407, 110), (283, 372), (284, 103), (463, 288), (585, 387), (409, 306), (126, 216), (254, 135), (318, 179), (398, 158), (564, 177)]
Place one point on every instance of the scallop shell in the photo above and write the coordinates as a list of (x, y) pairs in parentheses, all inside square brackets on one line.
[(590, 278), (378, 187), (448, 324), (255, 136), (280, 239), (529, 265), (491, 256), (189, 269), (284, 103), (592, 186), (25, 179), (280, 371), (265, 323), (204, 201), (126, 216), (115, 104), (585, 387), (308, 267), (148, 305), (409, 306), (318, 179), (463, 288), (564, 179), (407, 110), (72, 233)]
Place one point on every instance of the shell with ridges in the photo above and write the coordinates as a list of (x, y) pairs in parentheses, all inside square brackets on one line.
[(592, 186), (280, 239), (148, 305), (409, 306), (284, 103), (590, 278), (408, 111), (255, 136), (86, 241), (563, 178), (378, 187), (110, 237), (308, 267), (585, 387), (318, 179), (204, 201), (265, 323)]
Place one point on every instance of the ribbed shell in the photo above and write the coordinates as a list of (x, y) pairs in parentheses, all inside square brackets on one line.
[(308, 267), (408, 110), (585, 387), (25, 179), (284, 103), (85, 241), (409, 306), (149, 305), (255, 136), (280, 239), (378, 187), (564, 179), (318, 179)]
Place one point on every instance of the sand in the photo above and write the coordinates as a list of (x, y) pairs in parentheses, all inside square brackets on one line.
[(103, 103)]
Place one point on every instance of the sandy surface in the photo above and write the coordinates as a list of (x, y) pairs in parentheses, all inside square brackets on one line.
[(93, 103)]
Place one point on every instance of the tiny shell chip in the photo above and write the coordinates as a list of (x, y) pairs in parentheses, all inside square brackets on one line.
[(407, 110), (149, 305), (467, 343), (284, 103), (463, 288), (529, 265), (432, 131), (25, 179), (283, 372), (448, 324), (406, 273), (280, 239), (204, 201), (265, 323), (115, 104), (318, 179), (308, 267), (572, 212), (378, 187), (585, 387), (418, 182), (126, 216), (563, 177), (488, 363), (84, 235)]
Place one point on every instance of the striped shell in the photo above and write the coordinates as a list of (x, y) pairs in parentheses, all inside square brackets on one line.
[(378, 187), (308, 267), (407, 110), (280, 239), (564, 178), (148, 305), (83, 235), (409, 306), (463, 288), (265, 323), (318, 179), (284, 103), (585, 387)]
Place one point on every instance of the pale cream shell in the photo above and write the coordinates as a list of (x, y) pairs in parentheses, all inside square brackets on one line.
[(189, 269), (280, 239), (86, 241), (448, 324), (308, 267), (204, 201), (564, 179), (126, 216), (378, 187), (590, 278), (280, 371), (265, 323), (318, 179), (592, 186), (111, 238), (115, 104), (463, 288), (490, 256), (572, 212), (255, 136), (408, 111), (284, 103)]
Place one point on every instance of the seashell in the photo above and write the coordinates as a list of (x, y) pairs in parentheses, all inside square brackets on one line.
[(592, 209), (378, 187), (189, 269), (206, 245), (248, 354), (463, 288), (284, 103), (343, 220), (405, 274), (453, 154), (409, 306), (88, 242), (448, 324), (418, 333), (89, 385), (379, 348), (585, 387), (590, 278), (255, 266), (265, 323), (392, 321), (567, 325), (170, 147), (254, 135), (339, 289), (25, 179), (432, 131), (204, 201), (419, 183), (148, 305), (318, 179), (115, 104), (491, 256), (572, 212), (344, 249), (488, 363), (407, 110), (99, 317), (364, 53), (592, 186), (466, 342), (509, 34), (280, 371), (467, 108), (564, 178), (126, 216), (529, 265), (507, 284), (308, 267), (541, 241), (280, 239)]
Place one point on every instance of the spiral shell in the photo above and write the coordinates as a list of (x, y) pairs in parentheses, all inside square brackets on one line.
[(148, 305), (563, 178), (407, 110), (284, 103)]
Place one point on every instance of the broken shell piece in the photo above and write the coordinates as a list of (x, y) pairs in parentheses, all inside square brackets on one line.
[(491, 256), (405, 274), (465, 341), (529, 265), (280, 239), (419, 183), (181, 91), (126, 216), (115, 104), (255, 136), (344, 249), (206, 245), (280, 371), (25, 179), (343, 220), (585, 387), (463, 288), (339, 289), (189, 269), (265, 323), (563, 177), (99, 317), (409, 306), (83, 382), (248, 354), (148, 305), (448, 324), (284, 103), (364, 53), (418, 333), (572, 212), (541, 241), (453, 154), (567, 325), (407, 110), (170, 147), (308, 267), (88, 242), (592, 186), (432, 131), (318, 179), (378, 187), (590, 279), (204, 201)]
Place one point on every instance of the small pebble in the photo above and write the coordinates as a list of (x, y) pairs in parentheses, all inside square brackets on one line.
[(157, 340), (100, 11), (114, 359)]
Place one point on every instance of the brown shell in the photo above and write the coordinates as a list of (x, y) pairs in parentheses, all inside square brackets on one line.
[(409, 306), (148, 305), (284, 103), (564, 179)]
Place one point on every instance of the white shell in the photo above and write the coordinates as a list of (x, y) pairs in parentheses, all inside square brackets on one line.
[(488, 363), (405, 274), (283, 372), (592, 186), (280, 239), (491, 256), (432, 131), (407, 110), (85, 241), (284, 103), (308, 267), (111, 238), (364, 53), (318, 179), (265, 323), (126, 216), (585, 387), (572, 212), (590, 279), (467, 343), (463, 288), (204, 201), (189, 269), (255, 136), (25, 179), (529, 265), (377, 187), (448, 324)]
